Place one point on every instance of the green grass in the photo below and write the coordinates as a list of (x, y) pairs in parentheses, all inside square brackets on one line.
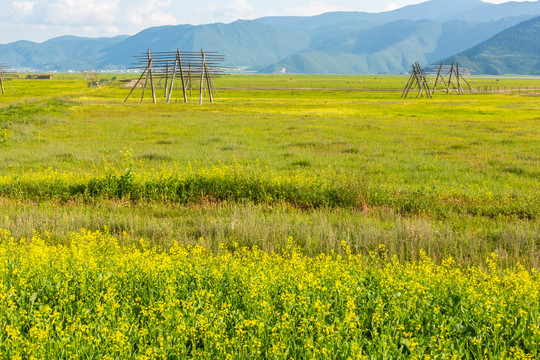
[(306, 220), (468, 239), (465, 163)]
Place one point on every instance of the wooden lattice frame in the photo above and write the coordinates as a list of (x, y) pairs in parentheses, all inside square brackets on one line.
[(451, 72), (186, 64), (5, 74), (417, 80)]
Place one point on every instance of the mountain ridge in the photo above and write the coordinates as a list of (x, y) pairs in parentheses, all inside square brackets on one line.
[(514, 48), (335, 42)]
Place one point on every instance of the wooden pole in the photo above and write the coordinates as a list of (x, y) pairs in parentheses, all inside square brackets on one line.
[(159, 83), (453, 72), (12, 89), (151, 78), (421, 86), (166, 79), (450, 78), (3, 77), (406, 90), (189, 80), (418, 79), (214, 87), (202, 77), (426, 86), (470, 87), (447, 86), (437, 79), (137, 83), (208, 84), (179, 58), (412, 87), (144, 87), (413, 83), (172, 82), (417, 82), (406, 87), (457, 77)]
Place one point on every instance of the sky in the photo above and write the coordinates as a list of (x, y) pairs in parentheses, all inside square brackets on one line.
[(40, 20)]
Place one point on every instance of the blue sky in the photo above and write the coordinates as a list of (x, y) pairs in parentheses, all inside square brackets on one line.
[(39, 20)]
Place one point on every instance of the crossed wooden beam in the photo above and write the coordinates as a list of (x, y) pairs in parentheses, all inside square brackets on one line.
[(417, 80)]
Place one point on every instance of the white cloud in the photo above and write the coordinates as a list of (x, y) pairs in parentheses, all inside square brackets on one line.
[(82, 12), (19, 10), (236, 9), (97, 17), (392, 6), (160, 18), (313, 8), (23, 7), (39, 20), (89, 29), (113, 30), (140, 14)]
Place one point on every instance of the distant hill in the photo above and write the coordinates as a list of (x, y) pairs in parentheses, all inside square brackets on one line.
[(513, 51), (62, 53), (331, 43), (245, 43), (441, 10), (390, 48)]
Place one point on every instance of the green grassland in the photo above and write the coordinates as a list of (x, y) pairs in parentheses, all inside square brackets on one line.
[(458, 170), (338, 168)]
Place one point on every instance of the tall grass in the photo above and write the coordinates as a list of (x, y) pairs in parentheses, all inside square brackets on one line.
[(237, 183), (468, 239), (225, 183)]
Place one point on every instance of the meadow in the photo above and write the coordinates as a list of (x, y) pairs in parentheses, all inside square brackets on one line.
[(314, 217)]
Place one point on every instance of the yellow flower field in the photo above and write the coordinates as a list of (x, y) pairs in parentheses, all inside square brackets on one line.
[(92, 298)]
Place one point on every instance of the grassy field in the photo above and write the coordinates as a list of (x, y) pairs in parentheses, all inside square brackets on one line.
[(454, 176), (380, 189)]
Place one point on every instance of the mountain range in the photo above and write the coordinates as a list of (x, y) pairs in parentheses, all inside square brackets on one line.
[(515, 50), (486, 38)]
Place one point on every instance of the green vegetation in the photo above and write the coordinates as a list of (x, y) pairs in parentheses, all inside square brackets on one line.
[(465, 168), (513, 51), (90, 297), (284, 223)]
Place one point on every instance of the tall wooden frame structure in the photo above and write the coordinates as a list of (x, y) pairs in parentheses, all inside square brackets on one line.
[(5, 74), (450, 72), (417, 81), (166, 67), (451, 76)]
